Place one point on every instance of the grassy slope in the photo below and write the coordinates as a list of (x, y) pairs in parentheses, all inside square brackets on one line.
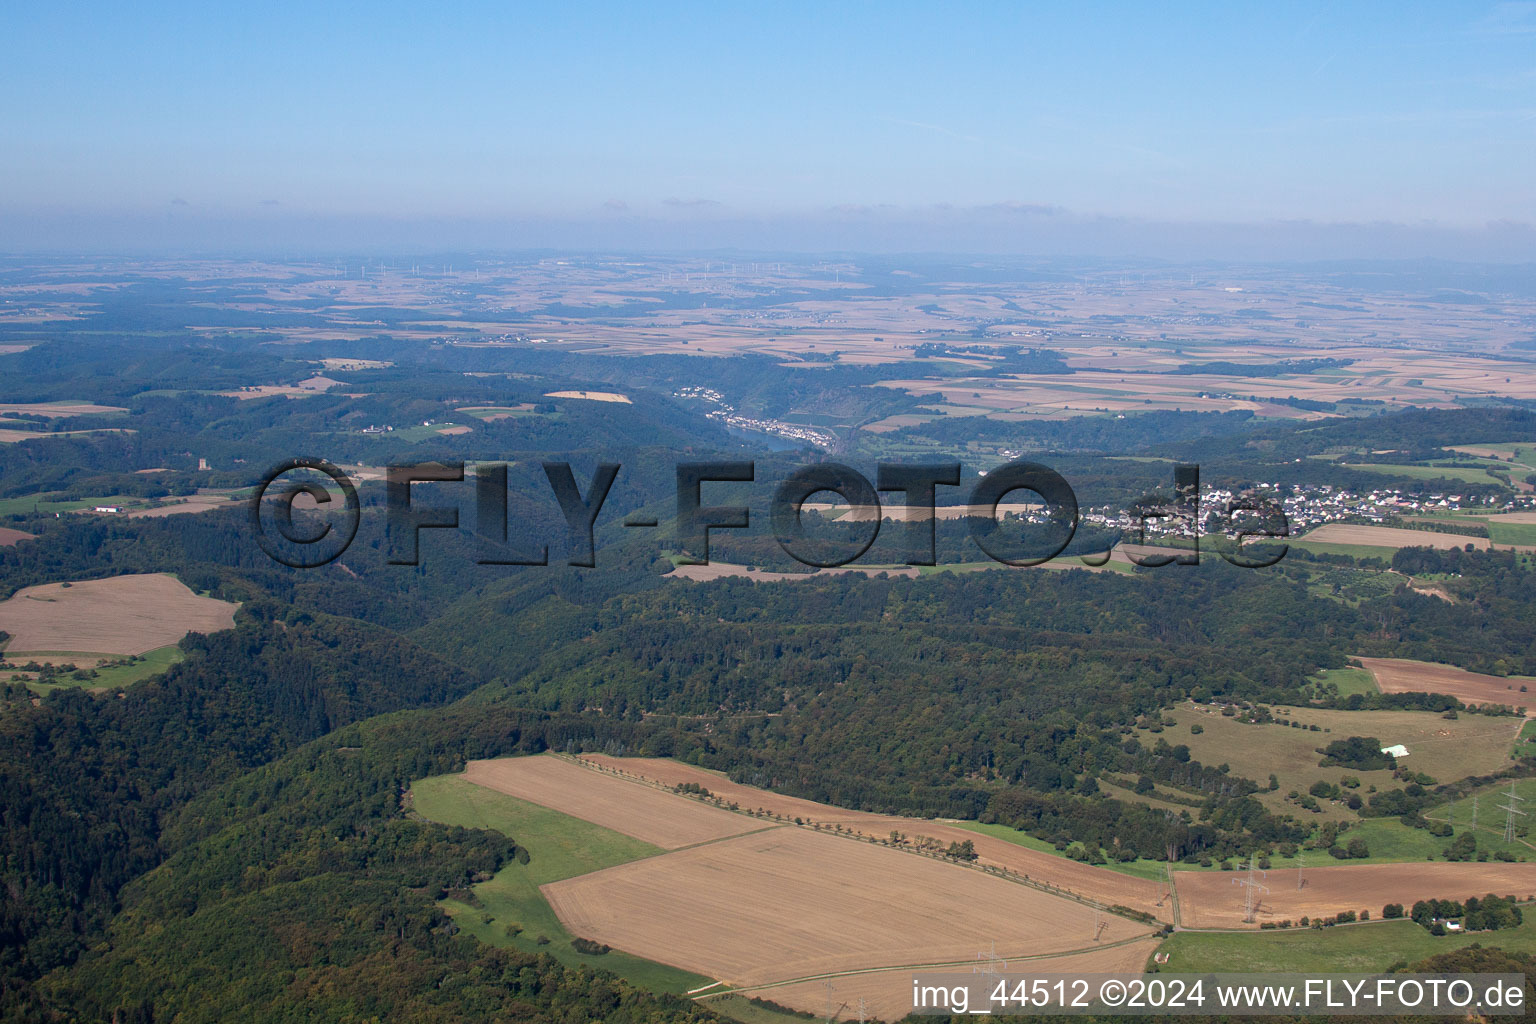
[(151, 663), (1468, 475), (1357, 551), (1349, 680), (1512, 533), (559, 846), (43, 503), (1364, 948), (740, 1009), (1254, 751)]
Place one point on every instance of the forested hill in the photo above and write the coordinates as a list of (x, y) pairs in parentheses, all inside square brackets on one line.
[(187, 849)]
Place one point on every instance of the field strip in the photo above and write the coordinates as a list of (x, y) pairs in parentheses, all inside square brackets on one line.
[(1097, 948), (622, 805)]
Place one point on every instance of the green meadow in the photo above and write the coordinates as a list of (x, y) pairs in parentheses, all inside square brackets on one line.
[(559, 846)]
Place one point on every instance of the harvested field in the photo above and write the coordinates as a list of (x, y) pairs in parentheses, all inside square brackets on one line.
[(1402, 675), (59, 408), (457, 428), (202, 502), (1212, 899), (15, 436), (120, 615), (723, 570), (315, 385), (591, 396), (355, 364), (9, 536), (1389, 537), (790, 903), (1110, 887), (1482, 451), (887, 995), (1514, 518), (492, 413), (629, 807)]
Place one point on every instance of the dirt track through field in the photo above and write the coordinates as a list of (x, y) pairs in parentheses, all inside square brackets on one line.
[(119, 615)]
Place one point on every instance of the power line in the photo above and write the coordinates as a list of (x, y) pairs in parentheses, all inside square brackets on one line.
[(1253, 891), (1510, 812)]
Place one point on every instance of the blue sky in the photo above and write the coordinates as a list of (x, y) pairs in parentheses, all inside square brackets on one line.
[(688, 118)]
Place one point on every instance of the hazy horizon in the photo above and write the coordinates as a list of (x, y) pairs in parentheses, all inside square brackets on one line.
[(1296, 133)]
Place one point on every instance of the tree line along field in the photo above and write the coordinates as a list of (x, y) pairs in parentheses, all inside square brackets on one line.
[(771, 910), (1016, 854), (762, 904), (646, 814)]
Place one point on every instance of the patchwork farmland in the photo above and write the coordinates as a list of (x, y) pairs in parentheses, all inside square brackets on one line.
[(773, 907), (784, 894)]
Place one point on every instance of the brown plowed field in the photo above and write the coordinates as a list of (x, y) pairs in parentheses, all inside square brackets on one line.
[(1213, 899), (1401, 675), (9, 536), (1389, 537), (887, 995), (1110, 887), (120, 615), (789, 903), (629, 807)]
